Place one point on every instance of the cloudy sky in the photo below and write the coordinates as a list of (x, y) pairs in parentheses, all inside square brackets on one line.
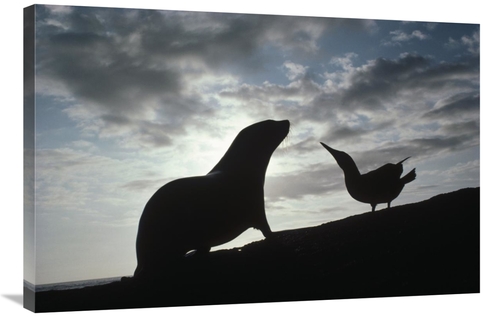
[(127, 100)]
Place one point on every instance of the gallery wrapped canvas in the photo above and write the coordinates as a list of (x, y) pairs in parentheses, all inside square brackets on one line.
[(180, 158)]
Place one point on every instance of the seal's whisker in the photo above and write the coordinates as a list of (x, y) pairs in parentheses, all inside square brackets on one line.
[(285, 144)]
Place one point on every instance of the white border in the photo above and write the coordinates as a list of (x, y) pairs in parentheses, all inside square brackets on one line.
[(480, 11)]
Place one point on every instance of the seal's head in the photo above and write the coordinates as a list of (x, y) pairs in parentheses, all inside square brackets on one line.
[(253, 146)]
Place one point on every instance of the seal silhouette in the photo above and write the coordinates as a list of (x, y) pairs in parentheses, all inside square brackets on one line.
[(200, 212)]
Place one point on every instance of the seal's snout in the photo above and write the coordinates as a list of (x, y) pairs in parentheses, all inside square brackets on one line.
[(284, 125), (285, 128), (277, 130)]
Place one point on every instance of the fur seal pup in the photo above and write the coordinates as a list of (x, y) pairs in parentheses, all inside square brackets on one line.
[(197, 213)]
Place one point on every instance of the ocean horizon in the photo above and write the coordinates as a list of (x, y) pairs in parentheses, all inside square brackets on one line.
[(62, 286)]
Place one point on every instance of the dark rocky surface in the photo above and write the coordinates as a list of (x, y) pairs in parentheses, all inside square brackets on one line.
[(425, 248)]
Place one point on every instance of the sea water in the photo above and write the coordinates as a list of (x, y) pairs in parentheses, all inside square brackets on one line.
[(70, 285)]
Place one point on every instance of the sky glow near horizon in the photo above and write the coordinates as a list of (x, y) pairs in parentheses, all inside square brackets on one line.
[(127, 100)]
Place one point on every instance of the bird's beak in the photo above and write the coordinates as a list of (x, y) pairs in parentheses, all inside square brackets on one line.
[(404, 160), (329, 149)]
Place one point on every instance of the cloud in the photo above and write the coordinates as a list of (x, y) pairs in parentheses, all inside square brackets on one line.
[(411, 79), (294, 71), (121, 68), (77, 181), (381, 82), (399, 36), (344, 62), (420, 148), (422, 107), (313, 179), (146, 185), (471, 42), (137, 76), (455, 107), (144, 78), (346, 133), (471, 168), (468, 127)]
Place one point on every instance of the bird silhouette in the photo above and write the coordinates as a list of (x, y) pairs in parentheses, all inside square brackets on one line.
[(379, 186)]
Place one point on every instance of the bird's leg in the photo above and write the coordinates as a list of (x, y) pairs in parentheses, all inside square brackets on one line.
[(388, 205), (373, 207)]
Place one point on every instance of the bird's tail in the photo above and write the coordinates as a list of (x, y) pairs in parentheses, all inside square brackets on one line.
[(409, 177)]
